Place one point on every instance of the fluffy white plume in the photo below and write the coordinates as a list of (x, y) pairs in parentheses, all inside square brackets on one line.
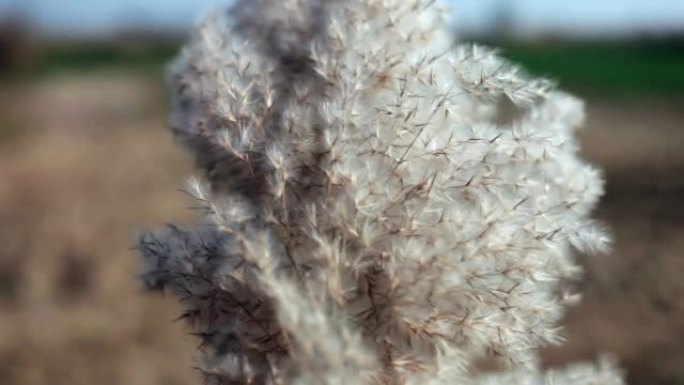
[(369, 222)]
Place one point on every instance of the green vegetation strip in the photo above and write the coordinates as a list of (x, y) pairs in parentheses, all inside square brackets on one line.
[(60, 59), (605, 68)]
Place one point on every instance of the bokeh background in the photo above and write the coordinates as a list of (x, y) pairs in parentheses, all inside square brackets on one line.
[(86, 160)]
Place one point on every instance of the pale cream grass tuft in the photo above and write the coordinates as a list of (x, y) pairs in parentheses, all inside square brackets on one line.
[(368, 221)]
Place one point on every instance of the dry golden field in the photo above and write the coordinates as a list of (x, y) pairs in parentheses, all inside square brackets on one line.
[(86, 161)]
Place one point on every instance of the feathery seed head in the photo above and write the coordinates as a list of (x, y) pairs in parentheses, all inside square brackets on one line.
[(368, 220)]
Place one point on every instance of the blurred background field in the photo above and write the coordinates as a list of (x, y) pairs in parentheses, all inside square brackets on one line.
[(86, 160)]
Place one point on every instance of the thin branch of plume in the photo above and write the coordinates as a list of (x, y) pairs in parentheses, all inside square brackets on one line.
[(367, 220)]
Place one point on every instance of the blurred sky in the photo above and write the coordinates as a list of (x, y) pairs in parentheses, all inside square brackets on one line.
[(95, 18)]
